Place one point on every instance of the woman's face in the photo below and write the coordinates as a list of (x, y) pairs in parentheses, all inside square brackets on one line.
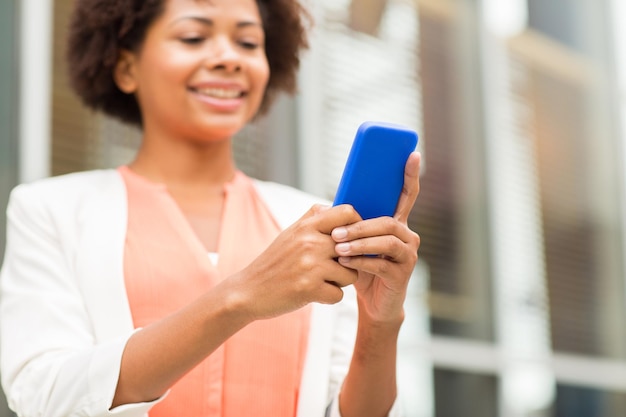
[(201, 71)]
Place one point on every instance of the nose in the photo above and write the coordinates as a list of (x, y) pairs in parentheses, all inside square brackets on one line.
[(225, 55)]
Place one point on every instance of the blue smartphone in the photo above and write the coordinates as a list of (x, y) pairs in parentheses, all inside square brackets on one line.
[(373, 177)]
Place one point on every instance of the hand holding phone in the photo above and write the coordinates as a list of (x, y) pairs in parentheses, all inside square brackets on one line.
[(373, 177)]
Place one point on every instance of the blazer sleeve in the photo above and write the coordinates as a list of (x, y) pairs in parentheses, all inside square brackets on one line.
[(50, 362)]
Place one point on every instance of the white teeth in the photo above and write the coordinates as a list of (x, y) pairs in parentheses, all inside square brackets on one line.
[(219, 92)]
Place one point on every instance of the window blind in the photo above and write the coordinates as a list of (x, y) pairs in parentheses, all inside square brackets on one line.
[(364, 77), (575, 158), (451, 211)]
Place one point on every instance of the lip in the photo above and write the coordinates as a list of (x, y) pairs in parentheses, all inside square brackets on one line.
[(220, 96)]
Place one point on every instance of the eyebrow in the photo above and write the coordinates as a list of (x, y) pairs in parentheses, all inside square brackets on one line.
[(209, 22)]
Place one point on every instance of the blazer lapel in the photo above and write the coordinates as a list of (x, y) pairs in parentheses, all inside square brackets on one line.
[(100, 259)]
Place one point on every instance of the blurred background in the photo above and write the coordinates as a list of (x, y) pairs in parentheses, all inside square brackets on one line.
[(518, 302)]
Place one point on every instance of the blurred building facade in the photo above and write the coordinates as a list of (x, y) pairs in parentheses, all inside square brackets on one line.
[(517, 304)]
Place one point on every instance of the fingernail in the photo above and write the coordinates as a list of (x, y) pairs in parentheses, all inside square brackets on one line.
[(344, 259), (340, 232), (343, 248)]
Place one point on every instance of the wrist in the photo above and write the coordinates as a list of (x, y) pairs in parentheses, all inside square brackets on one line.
[(379, 330), (380, 320), (235, 303), (376, 337)]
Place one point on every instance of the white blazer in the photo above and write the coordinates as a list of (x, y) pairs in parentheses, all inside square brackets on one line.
[(64, 313)]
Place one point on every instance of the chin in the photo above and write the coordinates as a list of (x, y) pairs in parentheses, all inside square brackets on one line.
[(218, 134), (214, 131), (224, 127)]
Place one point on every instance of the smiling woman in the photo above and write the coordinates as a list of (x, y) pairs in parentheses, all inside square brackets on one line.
[(93, 48), (204, 61), (175, 284)]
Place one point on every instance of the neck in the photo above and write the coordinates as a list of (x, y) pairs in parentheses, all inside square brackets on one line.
[(185, 164), (195, 174)]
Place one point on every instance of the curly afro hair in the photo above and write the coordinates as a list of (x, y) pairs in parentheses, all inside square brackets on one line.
[(100, 29)]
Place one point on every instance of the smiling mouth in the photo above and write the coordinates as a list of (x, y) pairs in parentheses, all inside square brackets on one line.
[(221, 93)]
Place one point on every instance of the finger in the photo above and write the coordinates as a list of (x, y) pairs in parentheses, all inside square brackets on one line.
[(410, 189), (314, 211), (380, 226), (330, 294), (381, 265), (311, 232), (334, 217), (342, 277), (389, 247), (378, 266)]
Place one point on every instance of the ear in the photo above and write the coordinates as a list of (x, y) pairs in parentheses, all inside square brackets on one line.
[(124, 72)]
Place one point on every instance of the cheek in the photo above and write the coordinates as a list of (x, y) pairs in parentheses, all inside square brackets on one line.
[(175, 72), (160, 85), (169, 65), (262, 73)]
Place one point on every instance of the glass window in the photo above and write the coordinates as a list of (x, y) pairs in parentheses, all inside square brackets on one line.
[(558, 19), (465, 394), (576, 401), (567, 86), (451, 212)]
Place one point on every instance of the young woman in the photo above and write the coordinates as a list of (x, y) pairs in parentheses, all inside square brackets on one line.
[(175, 285)]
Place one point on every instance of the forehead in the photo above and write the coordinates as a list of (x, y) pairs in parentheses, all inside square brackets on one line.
[(237, 9)]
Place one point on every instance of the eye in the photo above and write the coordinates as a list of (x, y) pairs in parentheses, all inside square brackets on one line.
[(192, 40), (249, 44)]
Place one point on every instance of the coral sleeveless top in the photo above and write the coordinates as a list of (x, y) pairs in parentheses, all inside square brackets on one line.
[(257, 371)]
